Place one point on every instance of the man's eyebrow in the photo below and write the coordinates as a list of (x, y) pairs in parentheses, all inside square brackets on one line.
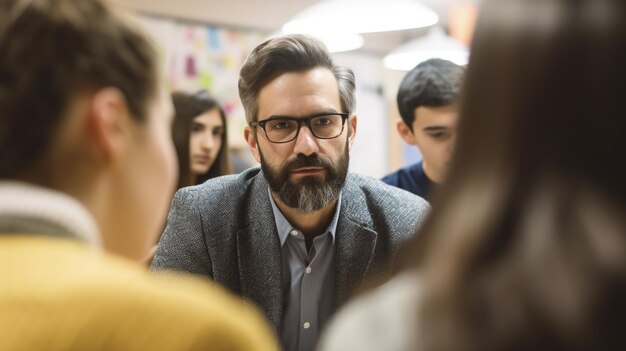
[(435, 128), (322, 112)]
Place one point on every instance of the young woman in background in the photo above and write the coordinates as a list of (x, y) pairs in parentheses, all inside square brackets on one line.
[(199, 133)]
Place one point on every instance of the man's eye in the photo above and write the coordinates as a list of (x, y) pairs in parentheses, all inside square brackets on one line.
[(281, 125), (323, 121)]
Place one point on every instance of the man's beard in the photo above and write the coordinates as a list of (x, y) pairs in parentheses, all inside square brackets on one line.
[(311, 193)]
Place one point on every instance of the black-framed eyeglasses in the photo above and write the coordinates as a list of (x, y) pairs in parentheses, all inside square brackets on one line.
[(283, 129)]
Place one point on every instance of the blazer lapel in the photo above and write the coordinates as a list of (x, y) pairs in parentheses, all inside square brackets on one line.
[(355, 243), (259, 253)]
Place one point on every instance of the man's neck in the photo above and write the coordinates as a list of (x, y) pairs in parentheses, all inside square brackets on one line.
[(312, 223)]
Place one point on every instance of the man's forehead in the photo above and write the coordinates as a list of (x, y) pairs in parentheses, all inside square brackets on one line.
[(300, 93), (319, 75), (444, 114)]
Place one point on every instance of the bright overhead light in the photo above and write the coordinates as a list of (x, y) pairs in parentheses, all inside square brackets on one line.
[(361, 16), (435, 44)]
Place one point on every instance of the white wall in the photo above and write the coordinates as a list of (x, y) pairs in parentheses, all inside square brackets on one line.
[(369, 152)]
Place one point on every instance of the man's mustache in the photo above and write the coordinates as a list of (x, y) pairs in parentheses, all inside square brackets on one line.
[(307, 161)]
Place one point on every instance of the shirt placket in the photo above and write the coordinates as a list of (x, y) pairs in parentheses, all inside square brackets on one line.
[(310, 291)]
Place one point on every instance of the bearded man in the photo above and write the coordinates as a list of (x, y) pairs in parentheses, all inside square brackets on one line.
[(300, 234)]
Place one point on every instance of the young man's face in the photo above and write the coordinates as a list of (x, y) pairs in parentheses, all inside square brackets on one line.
[(434, 133), (306, 173)]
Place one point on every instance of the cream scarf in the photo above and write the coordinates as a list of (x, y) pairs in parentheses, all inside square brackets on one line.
[(30, 209)]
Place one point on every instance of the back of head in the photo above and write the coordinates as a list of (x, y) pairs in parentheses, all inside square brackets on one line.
[(432, 83), (290, 53), (53, 50), (525, 249)]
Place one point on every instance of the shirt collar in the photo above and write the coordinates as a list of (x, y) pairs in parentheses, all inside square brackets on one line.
[(27, 208), (284, 227)]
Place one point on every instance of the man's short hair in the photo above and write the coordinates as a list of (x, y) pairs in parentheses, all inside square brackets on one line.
[(290, 53), (432, 83), (51, 51)]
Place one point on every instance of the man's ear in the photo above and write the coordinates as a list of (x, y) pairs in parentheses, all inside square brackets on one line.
[(352, 123), (405, 132), (248, 134), (107, 122)]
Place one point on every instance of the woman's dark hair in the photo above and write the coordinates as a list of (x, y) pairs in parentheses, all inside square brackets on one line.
[(526, 245), (187, 107)]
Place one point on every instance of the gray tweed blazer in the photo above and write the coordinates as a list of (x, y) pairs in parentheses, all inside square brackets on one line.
[(224, 229)]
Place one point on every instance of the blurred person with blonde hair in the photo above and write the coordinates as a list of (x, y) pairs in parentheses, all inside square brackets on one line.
[(87, 168), (526, 247)]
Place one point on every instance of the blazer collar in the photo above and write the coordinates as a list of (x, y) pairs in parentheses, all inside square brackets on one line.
[(355, 242), (259, 252)]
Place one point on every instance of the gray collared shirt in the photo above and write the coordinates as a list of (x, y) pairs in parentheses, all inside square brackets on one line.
[(308, 286)]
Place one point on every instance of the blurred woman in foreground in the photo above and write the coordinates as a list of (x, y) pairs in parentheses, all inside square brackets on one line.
[(526, 246)]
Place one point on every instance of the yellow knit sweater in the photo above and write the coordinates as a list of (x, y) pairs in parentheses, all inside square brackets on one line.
[(58, 294)]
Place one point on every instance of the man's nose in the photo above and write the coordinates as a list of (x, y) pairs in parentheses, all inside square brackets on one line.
[(306, 142)]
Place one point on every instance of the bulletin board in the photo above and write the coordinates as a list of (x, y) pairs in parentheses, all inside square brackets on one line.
[(198, 56)]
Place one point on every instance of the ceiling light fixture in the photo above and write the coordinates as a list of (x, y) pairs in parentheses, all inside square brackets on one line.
[(435, 44), (339, 21)]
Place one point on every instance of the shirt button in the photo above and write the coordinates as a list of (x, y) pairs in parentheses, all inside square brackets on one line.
[(308, 270), (306, 325), (293, 232)]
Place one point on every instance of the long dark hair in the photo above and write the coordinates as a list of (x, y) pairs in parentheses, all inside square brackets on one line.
[(526, 245), (187, 107)]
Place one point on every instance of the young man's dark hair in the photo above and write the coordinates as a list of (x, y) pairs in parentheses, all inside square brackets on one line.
[(432, 83), (427, 103)]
